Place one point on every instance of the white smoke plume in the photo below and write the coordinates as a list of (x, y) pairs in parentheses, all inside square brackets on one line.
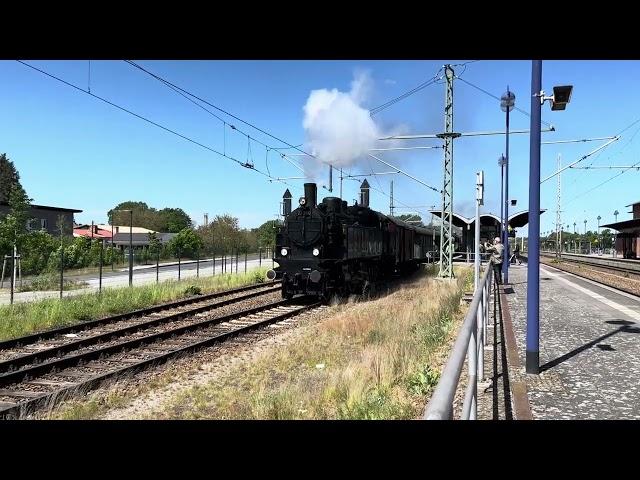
[(339, 130)]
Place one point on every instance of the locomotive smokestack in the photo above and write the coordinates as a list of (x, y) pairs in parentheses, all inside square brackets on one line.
[(364, 194), (286, 203), (311, 194)]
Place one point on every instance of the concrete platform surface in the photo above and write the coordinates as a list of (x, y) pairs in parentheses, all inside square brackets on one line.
[(589, 347)]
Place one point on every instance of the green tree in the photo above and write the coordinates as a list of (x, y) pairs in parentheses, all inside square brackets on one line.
[(267, 233), (9, 177), (173, 220), (13, 226), (143, 216), (223, 233), (36, 250), (186, 243), (155, 245)]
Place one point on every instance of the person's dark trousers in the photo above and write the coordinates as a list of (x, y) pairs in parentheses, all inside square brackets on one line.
[(497, 268)]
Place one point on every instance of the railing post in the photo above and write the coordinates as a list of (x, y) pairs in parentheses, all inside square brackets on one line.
[(472, 358), (485, 310), (480, 329), (473, 334)]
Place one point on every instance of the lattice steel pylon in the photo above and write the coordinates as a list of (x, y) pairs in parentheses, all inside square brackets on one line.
[(446, 235), (391, 201)]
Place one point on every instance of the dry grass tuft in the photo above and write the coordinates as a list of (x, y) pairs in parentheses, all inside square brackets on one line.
[(373, 360)]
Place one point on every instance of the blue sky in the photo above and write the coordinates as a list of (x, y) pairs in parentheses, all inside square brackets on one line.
[(75, 151)]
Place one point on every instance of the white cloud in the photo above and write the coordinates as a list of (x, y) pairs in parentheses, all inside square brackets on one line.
[(339, 130)]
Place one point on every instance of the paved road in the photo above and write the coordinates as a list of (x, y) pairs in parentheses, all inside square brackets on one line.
[(141, 275)]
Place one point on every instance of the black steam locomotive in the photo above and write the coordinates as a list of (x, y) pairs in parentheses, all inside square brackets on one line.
[(333, 248)]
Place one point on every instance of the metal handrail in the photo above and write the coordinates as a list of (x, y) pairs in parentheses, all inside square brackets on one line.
[(469, 344)]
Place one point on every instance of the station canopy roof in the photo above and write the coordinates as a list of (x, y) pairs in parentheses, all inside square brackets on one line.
[(517, 220), (626, 225)]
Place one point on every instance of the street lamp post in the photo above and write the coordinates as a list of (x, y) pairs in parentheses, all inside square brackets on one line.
[(507, 102), (585, 227), (574, 227), (502, 161), (599, 239), (559, 100)]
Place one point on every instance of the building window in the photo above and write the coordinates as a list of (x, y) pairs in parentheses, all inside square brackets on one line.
[(43, 223), (31, 224)]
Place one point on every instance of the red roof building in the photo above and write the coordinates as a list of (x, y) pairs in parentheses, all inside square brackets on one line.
[(91, 231)]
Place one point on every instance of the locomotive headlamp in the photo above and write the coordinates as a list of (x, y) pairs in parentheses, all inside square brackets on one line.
[(284, 252), (302, 201), (316, 252)]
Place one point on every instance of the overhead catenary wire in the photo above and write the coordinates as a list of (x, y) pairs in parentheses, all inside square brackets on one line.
[(578, 176), (423, 85), (635, 165), (601, 147), (395, 199), (265, 132), (626, 169), (610, 167), (224, 122), (186, 92), (141, 117), (397, 99), (405, 173), (496, 97)]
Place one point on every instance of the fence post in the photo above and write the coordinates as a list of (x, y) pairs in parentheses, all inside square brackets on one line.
[(12, 280), (236, 261), (245, 262), (198, 264), (101, 260), (259, 257), (179, 253), (61, 269)]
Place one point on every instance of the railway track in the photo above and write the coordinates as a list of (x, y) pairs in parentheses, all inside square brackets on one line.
[(631, 267), (210, 300), (41, 369), (623, 276), (25, 387)]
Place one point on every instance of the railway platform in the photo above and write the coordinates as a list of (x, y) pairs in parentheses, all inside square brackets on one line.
[(589, 352)]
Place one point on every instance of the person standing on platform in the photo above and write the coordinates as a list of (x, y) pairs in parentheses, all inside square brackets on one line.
[(497, 250), (516, 255)]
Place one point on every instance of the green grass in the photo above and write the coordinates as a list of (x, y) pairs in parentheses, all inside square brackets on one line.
[(24, 318), (50, 281), (374, 360)]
